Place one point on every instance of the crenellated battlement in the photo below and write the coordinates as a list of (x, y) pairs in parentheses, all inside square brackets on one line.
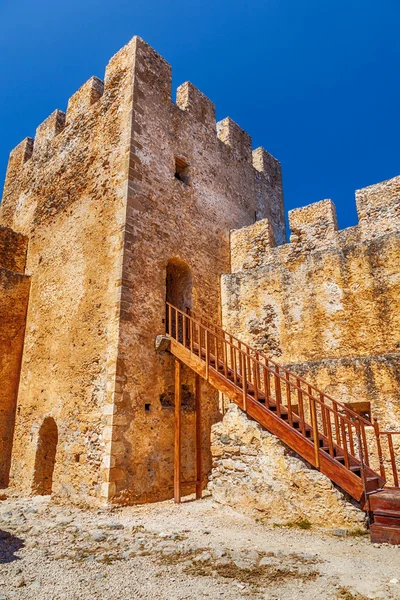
[(89, 93), (137, 90), (191, 100), (236, 138), (314, 228)]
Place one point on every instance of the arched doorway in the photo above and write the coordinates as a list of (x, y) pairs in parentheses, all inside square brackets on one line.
[(179, 284), (45, 457), (178, 289)]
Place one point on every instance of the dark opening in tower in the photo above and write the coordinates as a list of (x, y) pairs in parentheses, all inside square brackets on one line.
[(178, 286)]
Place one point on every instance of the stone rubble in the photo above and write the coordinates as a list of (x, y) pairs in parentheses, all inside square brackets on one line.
[(198, 549), (253, 470)]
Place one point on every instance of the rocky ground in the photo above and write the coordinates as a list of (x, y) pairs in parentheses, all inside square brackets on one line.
[(195, 550)]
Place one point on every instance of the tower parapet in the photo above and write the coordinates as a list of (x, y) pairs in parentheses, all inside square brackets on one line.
[(190, 99), (378, 208), (89, 93), (314, 228), (236, 138)]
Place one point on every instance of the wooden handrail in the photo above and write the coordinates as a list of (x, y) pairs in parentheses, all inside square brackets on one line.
[(197, 316), (335, 428)]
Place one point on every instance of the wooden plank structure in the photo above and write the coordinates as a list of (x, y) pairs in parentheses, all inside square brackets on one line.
[(328, 434), (178, 436)]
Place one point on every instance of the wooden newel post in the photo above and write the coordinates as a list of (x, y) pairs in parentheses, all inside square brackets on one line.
[(379, 447), (199, 476), (178, 433)]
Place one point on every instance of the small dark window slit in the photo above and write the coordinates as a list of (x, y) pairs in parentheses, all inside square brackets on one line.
[(182, 170)]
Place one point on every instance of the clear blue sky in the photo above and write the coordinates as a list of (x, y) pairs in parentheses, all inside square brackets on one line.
[(316, 82)]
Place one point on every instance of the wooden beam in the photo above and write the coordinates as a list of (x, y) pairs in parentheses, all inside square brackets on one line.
[(199, 476), (178, 432)]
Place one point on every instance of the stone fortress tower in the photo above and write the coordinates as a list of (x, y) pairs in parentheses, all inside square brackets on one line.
[(123, 201), (128, 200)]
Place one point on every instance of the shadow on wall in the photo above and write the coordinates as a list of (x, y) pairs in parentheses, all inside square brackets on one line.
[(9, 545), (45, 458)]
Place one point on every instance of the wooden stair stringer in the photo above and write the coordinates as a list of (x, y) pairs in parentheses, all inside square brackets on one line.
[(334, 470)]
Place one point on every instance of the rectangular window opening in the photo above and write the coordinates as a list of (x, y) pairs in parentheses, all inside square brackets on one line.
[(182, 170), (361, 408)]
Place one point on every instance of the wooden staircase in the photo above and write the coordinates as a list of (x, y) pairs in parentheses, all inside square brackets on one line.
[(334, 439)]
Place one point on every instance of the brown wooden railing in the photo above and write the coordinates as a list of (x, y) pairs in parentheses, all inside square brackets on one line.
[(333, 428), (385, 438)]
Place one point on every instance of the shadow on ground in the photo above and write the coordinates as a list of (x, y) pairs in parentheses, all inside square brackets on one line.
[(9, 545)]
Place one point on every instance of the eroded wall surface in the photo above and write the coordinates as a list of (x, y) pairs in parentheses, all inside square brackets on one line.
[(14, 294), (66, 190), (328, 303), (97, 195), (254, 471), (227, 186)]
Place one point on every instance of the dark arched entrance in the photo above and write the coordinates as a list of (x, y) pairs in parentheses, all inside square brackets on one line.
[(45, 457), (179, 284), (178, 293)]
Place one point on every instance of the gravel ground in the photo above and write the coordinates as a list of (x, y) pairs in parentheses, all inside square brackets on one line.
[(195, 550)]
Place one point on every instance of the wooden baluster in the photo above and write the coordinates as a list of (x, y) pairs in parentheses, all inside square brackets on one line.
[(278, 393), (244, 382), (258, 365), (323, 413), (344, 441), (379, 447), (207, 349), (235, 365), (226, 361), (329, 431), (184, 330), (267, 386), (364, 442), (314, 424), (393, 460), (337, 426), (248, 365), (288, 398), (350, 430), (169, 320), (301, 407), (216, 355), (232, 357), (255, 378), (202, 344), (191, 334)]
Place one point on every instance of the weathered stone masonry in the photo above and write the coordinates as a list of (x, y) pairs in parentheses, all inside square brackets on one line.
[(14, 291), (97, 197), (326, 305), (129, 199)]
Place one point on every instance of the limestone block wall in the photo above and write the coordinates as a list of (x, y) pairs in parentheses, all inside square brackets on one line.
[(327, 303), (14, 293), (225, 186), (254, 471), (66, 190), (123, 184)]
